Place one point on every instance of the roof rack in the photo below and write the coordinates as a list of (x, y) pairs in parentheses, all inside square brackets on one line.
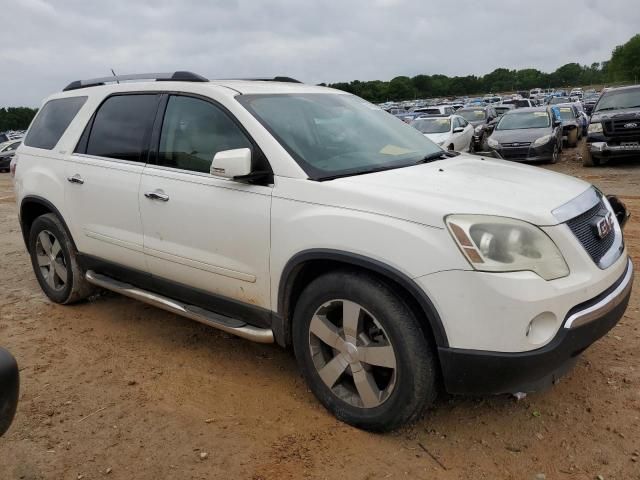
[(179, 76), (265, 79)]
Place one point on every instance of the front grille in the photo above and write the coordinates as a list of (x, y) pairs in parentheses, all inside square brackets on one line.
[(584, 228), (510, 152), (617, 127)]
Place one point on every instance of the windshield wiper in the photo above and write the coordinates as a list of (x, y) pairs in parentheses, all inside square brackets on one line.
[(432, 157)]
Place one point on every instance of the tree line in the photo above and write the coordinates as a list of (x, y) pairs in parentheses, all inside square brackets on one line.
[(16, 118), (623, 67)]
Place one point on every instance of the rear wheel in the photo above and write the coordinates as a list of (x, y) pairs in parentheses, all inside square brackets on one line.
[(362, 351), (54, 261)]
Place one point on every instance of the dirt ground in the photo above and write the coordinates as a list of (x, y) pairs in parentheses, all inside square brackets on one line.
[(114, 388)]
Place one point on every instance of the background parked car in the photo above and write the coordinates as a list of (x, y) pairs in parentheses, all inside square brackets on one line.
[(483, 120), (7, 151), (614, 130), (528, 134), (571, 124), (436, 110), (452, 132), (503, 108)]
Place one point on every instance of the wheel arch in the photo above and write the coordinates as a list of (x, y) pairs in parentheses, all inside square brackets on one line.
[(309, 264), (32, 207)]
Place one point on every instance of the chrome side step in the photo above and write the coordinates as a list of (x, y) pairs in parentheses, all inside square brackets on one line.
[(221, 322)]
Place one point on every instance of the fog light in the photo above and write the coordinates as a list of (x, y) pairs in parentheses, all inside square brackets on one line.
[(542, 328)]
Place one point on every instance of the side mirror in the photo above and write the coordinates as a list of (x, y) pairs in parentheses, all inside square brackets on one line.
[(458, 130), (231, 163), (9, 389)]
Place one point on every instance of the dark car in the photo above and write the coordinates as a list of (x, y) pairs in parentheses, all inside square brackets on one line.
[(528, 134), (614, 130), (9, 389), (7, 151), (571, 123), (483, 119), (502, 109), (589, 101)]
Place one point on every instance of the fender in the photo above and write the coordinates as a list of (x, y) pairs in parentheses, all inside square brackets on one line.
[(49, 206), (292, 268)]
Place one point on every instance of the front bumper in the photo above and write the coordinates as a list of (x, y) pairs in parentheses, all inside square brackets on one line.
[(485, 372), (610, 150), (530, 153)]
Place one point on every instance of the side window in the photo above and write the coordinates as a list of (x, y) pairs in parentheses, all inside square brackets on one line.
[(52, 121), (456, 123), (122, 126), (463, 122), (193, 131), (13, 146)]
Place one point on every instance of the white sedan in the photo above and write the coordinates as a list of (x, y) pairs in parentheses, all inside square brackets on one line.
[(451, 132)]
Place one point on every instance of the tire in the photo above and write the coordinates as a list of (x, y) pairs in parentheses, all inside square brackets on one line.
[(572, 139), (589, 160), (55, 261), (555, 156), (402, 391), (451, 148)]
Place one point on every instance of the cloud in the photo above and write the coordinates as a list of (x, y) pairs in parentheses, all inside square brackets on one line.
[(45, 45)]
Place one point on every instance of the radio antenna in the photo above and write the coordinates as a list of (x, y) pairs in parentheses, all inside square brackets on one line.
[(114, 74)]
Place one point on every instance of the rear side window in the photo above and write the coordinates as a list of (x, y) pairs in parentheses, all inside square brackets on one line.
[(52, 121), (122, 126)]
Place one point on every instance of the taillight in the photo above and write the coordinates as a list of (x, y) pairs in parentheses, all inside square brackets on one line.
[(13, 165)]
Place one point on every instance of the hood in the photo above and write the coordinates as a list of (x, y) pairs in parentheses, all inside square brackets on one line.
[(426, 193), (622, 114), (437, 137), (522, 135)]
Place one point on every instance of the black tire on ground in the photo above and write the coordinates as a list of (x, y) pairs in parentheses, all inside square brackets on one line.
[(555, 156), (589, 160), (572, 138), (451, 148), (414, 387), (55, 261)]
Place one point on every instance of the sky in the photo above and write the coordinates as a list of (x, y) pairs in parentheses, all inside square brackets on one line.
[(45, 44)]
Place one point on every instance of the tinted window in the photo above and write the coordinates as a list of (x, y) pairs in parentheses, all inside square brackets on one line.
[(52, 121), (516, 121), (122, 126), (193, 131)]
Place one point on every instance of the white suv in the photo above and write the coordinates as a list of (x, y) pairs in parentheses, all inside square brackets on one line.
[(307, 216)]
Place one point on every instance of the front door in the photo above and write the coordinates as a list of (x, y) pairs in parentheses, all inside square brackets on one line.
[(202, 231)]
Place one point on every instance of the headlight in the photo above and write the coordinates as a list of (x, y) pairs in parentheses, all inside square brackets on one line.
[(493, 143), (500, 244), (595, 128), (542, 140)]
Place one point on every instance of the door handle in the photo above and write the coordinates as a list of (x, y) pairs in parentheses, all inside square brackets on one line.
[(75, 179), (157, 195)]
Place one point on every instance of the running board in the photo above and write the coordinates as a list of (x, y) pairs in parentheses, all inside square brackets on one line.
[(221, 322)]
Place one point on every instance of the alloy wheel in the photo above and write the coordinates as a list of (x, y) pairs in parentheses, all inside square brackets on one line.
[(51, 262), (352, 353)]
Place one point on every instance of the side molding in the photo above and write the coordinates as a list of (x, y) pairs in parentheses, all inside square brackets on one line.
[(292, 269)]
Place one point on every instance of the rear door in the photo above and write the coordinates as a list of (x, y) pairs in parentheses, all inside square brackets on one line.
[(103, 177)]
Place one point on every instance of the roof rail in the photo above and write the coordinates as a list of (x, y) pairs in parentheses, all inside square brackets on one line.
[(265, 79), (179, 76)]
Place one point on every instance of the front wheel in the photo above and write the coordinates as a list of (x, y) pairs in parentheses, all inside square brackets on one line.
[(362, 351), (54, 261), (555, 156)]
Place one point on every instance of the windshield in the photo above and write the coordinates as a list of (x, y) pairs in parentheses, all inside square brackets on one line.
[(614, 100), (332, 135), (566, 113), (517, 121), (432, 125), (472, 115)]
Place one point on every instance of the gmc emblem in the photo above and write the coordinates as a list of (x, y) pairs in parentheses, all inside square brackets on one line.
[(604, 226)]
